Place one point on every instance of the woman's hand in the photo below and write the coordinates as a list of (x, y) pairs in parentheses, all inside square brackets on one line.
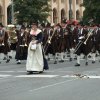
[(34, 42)]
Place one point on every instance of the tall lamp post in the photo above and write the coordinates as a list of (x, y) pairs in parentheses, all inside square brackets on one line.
[(12, 11), (70, 10)]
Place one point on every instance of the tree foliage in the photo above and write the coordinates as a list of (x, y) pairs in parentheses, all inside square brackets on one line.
[(92, 10), (31, 10)]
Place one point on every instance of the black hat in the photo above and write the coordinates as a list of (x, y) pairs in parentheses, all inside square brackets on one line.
[(1, 25), (43, 24), (35, 23), (64, 21), (23, 27), (58, 25), (48, 24)]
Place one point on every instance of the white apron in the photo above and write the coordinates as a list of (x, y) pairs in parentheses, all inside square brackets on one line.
[(35, 59)]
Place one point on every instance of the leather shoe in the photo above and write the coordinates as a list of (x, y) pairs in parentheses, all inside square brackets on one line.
[(7, 60), (18, 62), (61, 61), (29, 72), (55, 62), (4, 58), (70, 59), (86, 63), (77, 64), (40, 72), (10, 57), (93, 62)]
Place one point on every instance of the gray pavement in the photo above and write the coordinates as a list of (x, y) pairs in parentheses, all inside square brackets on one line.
[(63, 81)]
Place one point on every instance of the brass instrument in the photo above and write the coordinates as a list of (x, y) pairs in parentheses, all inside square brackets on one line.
[(78, 46), (13, 36), (24, 42), (89, 34), (26, 34), (49, 40), (2, 38), (81, 42)]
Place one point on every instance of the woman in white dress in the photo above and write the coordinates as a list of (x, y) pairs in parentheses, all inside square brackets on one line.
[(35, 62)]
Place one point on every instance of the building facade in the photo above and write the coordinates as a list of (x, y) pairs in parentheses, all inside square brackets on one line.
[(4, 11), (60, 9), (65, 9)]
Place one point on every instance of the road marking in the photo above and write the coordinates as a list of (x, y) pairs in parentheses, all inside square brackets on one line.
[(4, 76), (50, 76), (94, 77), (69, 76), (82, 76), (7, 71), (39, 76), (51, 85), (20, 71)]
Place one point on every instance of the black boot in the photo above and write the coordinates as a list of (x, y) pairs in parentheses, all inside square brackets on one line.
[(4, 58), (29, 72), (77, 64), (61, 61), (93, 62), (7, 60), (70, 59), (10, 57), (55, 62), (86, 63)]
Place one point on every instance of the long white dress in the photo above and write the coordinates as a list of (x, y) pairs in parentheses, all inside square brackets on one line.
[(35, 59)]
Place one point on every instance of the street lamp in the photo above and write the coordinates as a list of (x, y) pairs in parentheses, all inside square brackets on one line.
[(70, 10), (12, 11)]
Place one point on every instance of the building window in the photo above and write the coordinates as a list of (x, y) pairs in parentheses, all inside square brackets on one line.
[(62, 14), (0, 14), (77, 15), (77, 2), (54, 0), (9, 17), (62, 1), (54, 15)]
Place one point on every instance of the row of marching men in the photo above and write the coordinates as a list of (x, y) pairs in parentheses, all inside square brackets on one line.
[(60, 38), (65, 37), (10, 41)]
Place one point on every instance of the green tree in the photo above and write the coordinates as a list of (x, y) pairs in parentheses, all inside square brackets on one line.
[(31, 10), (92, 10)]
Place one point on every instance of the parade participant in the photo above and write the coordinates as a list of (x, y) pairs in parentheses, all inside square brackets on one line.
[(35, 61), (96, 42), (47, 41), (13, 40), (84, 44), (4, 44), (21, 48), (43, 29), (57, 40), (64, 42)]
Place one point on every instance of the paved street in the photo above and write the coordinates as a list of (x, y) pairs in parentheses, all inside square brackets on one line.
[(63, 81)]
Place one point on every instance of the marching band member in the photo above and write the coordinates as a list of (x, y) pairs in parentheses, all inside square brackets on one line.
[(21, 48), (4, 44), (81, 47), (13, 40), (47, 43), (84, 44), (96, 42), (64, 43)]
